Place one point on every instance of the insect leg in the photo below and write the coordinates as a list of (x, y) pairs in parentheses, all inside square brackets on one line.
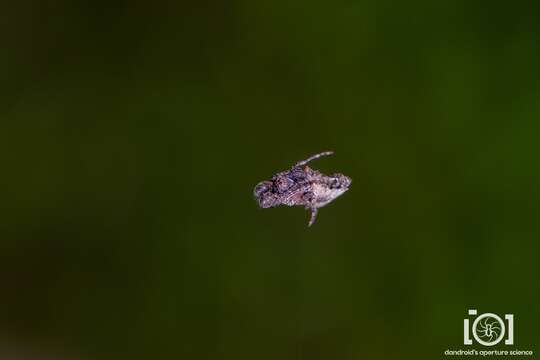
[(316, 156), (314, 211)]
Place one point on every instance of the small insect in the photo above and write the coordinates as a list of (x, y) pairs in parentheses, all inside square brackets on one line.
[(302, 186)]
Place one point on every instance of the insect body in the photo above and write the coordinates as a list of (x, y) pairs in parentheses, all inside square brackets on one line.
[(303, 186)]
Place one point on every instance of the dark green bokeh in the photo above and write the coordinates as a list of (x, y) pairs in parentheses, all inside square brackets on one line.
[(134, 132)]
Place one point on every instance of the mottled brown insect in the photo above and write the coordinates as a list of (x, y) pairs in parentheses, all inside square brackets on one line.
[(303, 186)]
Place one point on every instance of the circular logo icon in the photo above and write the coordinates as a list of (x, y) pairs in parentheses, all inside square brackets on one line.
[(488, 329)]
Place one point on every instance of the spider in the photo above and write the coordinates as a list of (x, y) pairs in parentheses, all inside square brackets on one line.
[(489, 330), (302, 186)]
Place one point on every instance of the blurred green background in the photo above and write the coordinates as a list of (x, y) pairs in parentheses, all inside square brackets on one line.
[(132, 135)]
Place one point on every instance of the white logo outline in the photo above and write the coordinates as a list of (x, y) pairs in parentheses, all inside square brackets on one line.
[(484, 331), (488, 329)]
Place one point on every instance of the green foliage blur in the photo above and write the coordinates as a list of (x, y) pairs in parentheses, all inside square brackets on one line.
[(133, 132)]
